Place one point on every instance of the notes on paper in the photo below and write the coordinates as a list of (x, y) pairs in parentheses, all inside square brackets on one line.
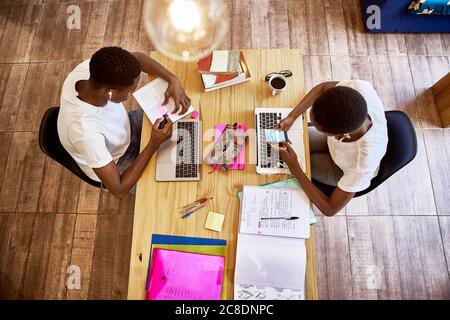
[(278, 205), (151, 96)]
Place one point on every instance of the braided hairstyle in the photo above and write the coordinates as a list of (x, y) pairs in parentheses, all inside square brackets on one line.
[(339, 110), (114, 66)]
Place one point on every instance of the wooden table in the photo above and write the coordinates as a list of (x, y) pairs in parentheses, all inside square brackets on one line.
[(156, 201), (441, 92)]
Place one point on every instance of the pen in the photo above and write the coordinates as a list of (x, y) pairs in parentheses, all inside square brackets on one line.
[(163, 122), (193, 204), (281, 218), (193, 211)]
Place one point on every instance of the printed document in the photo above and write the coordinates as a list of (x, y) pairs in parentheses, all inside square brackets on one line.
[(275, 212)]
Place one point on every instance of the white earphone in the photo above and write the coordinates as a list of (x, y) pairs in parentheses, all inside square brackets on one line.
[(110, 94)]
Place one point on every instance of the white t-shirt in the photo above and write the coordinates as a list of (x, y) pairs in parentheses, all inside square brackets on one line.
[(93, 136), (360, 160)]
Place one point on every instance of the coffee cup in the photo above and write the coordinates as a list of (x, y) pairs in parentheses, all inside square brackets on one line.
[(277, 83)]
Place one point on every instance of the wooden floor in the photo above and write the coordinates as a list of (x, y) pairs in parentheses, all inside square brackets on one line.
[(391, 244)]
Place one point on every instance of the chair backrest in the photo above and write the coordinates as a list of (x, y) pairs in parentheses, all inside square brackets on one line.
[(401, 150), (52, 147)]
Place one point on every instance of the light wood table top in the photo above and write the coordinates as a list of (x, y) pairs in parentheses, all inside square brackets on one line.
[(156, 201)]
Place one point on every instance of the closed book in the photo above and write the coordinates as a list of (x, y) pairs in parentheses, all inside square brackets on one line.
[(225, 62), (217, 81)]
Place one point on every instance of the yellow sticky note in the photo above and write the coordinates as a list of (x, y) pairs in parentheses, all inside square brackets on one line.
[(214, 221)]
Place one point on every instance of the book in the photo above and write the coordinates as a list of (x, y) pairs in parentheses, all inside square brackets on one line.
[(177, 275), (271, 256), (214, 81), (221, 62), (269, 267)]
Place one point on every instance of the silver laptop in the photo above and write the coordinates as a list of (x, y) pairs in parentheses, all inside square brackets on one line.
[(268, 160), (179, 158)]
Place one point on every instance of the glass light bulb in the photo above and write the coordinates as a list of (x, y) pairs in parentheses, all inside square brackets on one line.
[(186, 30)]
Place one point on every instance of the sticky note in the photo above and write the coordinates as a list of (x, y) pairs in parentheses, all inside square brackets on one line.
[(214, 221)]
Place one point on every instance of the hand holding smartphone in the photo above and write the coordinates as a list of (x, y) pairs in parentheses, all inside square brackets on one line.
[(276, 136)]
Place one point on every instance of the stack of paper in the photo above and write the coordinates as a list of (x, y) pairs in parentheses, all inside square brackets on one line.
[(204, 260), (271, 254)]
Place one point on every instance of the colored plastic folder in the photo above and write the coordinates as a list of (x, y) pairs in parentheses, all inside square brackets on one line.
[(180, 275), (168, 239), (162, 239), (212, 250)]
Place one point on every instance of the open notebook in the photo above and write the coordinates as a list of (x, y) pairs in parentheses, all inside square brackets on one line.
[(271, 254)]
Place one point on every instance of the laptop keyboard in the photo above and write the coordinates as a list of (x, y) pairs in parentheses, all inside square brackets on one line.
[(268, 158), (187, 149)]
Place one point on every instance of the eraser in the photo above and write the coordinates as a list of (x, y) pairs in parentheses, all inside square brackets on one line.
[(194, 115)]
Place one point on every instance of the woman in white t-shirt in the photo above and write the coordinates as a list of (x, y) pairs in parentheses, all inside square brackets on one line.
[(347, 142), (95, 128)]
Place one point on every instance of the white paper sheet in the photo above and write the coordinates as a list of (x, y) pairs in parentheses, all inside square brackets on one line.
[(151, 96), (260, 202), (268, 261)]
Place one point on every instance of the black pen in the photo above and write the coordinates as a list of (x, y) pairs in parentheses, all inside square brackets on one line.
[(163, 122), (281, 218)]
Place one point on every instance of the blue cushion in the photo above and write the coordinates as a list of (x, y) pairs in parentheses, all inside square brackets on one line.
[(438, 7), (395, 18)]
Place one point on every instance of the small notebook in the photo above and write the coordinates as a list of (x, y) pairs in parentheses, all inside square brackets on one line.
[(176, 275), (239, 162)]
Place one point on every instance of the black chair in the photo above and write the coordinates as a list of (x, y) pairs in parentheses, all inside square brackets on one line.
[(401, 150), (52, 147)]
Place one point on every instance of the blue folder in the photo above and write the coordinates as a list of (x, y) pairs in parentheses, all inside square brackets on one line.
[(168, 239)]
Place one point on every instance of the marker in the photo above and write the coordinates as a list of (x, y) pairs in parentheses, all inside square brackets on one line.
[(163, 122)]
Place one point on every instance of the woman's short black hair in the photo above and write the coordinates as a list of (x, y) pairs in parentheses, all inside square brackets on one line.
[(114, 66), (339, 110)]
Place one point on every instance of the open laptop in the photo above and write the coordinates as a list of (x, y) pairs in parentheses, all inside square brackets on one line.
[(268, 160), (179, 158)]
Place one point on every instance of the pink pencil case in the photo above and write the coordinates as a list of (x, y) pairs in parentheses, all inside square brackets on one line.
[(239, 161)]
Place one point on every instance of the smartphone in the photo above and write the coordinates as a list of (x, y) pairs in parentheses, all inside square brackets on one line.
[(275, 136)]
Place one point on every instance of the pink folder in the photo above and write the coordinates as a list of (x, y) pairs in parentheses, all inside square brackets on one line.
[(176, 275), (239, 162)]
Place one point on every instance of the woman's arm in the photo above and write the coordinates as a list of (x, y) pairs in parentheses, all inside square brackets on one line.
[(120, 184), (174, 90), (329, 206), (304, 104)]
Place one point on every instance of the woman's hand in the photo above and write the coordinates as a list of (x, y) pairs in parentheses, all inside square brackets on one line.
[(288, 155), (160, 135), (176, 92), (285, 124)]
